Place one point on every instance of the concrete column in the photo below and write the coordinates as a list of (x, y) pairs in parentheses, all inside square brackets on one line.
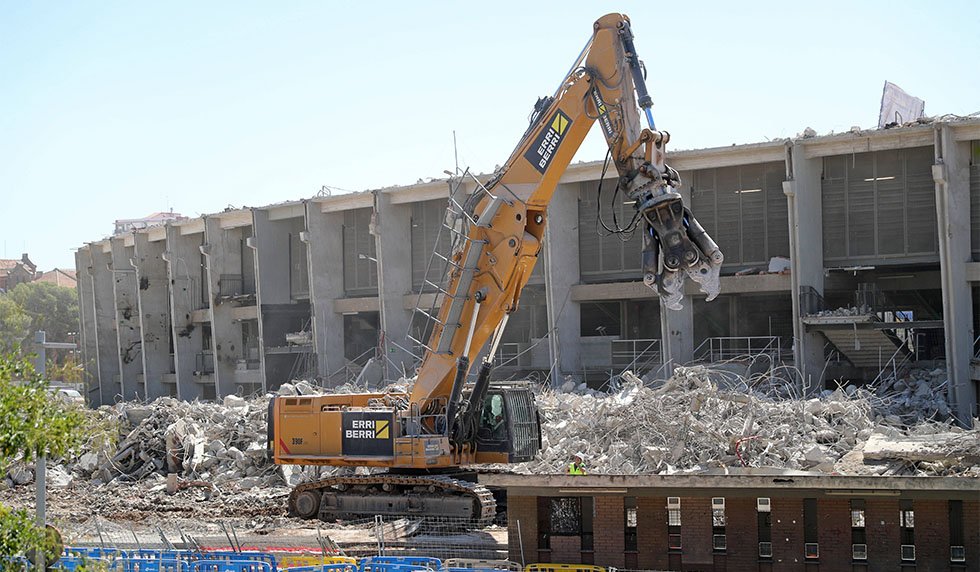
[(223, 255), (804, 199), (272, 284), (393, 235), (107, 345), (325, 252), (677, 326), (183, 259), (154, 314), (87, 336), (952, 175), (562, 270), (127, 320)]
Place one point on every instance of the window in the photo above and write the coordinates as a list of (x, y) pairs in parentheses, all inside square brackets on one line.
[(629, 504), (810, 548), (674, 523), (858, 530), (906, 521), (718, 541), (908, 552), (764, 518), (601, 319), (566, 516), (859, 551), (957, 548)]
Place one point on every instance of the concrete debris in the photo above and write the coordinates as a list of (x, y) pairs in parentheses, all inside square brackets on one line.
[(699, 421), (917, 394), (841, 312)]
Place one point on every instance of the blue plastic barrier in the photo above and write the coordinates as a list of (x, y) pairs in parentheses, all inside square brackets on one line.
[(324, 568), (245, 555), (103, 553), (388, 563), (71, 563), (231, 566), (151, 565)]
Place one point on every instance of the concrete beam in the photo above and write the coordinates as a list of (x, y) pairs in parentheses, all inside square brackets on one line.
[(639, 291), (866, 141), (952, 176), (733, 484), (154, 315)]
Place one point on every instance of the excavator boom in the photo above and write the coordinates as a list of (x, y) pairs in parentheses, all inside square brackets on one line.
[(445, 423)]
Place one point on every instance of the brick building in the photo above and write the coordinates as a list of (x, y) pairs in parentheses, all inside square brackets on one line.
[(744, 522), (16, 271)]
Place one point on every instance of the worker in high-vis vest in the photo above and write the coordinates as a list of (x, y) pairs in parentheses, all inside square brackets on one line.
[(576, 467)]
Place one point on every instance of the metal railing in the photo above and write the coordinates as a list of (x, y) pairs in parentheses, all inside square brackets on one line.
[(726, 348), (636, 354)]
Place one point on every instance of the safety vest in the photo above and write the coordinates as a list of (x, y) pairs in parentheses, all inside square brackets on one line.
[(574, 469)]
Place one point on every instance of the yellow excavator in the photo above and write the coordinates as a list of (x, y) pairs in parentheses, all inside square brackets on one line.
[(425, 437)]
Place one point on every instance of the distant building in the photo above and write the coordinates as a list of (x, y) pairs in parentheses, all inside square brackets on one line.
[(155, 219), (14, 272), (58, 277)]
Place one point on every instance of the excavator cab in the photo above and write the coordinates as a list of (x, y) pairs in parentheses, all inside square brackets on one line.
[(509, 429)]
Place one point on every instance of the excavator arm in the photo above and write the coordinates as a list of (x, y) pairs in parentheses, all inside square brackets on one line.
[(503, 232)]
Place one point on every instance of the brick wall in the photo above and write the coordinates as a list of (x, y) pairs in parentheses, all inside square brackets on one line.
[(742, 533), (881, 519), (651, 533), (834, 533), (833, 529), (696, 531), (971, 534), (566, 549), (524, 510), (931, 535), (610, 534), (787, 534)]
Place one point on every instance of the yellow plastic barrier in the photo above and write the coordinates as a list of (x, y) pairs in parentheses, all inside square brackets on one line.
[(550, 567), (482, 564), (294, 560)]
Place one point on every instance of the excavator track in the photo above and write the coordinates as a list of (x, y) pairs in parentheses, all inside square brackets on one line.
[(364, 496)]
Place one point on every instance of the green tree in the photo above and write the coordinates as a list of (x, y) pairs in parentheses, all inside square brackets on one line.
[(15, 324), (51, 308), (32, 422)]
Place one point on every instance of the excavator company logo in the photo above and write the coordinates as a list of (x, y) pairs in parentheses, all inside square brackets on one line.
[(368, 429), (604, 119), (543, 150), (367, 433)]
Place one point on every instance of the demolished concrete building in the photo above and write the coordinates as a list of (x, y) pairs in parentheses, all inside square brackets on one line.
[(883, 221)]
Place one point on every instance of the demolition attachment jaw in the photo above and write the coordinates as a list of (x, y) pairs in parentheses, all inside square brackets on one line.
[(676, 246)]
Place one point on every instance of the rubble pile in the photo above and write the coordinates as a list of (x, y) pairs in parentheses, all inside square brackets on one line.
[(841, 312), (221, 443), (915, 395), (690, 423)]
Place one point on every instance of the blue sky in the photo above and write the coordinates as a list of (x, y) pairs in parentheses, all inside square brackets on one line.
[(118, 109)]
